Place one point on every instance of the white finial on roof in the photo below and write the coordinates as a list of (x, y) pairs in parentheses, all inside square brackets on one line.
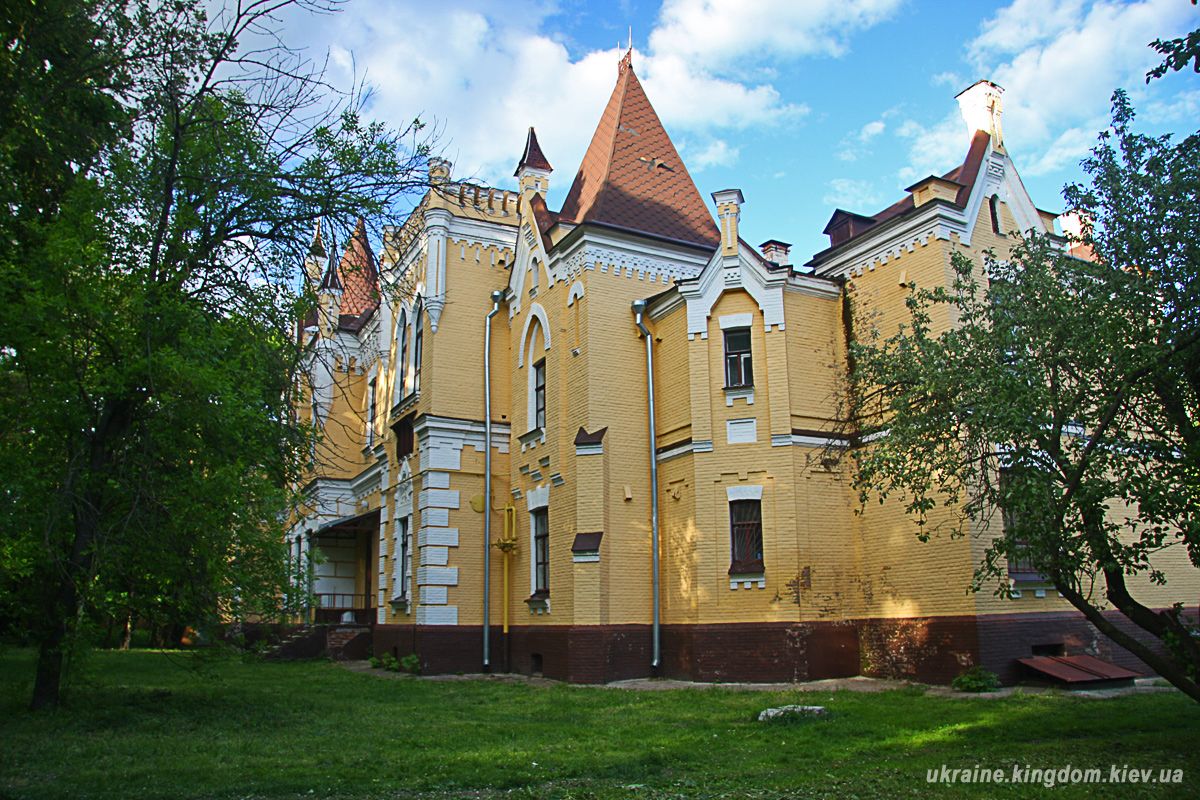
[(982, 108)]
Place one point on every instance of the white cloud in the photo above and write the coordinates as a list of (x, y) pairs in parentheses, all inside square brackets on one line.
[(722, 35), (851, 195), (854, 146), (716, 153), (1059, 62), (485, 71), (932, 150)]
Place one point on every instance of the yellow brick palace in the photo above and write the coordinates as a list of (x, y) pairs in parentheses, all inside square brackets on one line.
[(602, 442)]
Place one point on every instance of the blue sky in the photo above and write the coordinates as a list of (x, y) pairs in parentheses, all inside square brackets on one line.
[(803, 105)]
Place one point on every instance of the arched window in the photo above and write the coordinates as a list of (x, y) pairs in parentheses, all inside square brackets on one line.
[(418, 336), (402, 357), (994, 207)]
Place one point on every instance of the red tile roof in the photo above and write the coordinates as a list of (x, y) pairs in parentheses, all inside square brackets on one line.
[(544, 218), (533, 156), (357, 274), (633, 178), (965, 174)]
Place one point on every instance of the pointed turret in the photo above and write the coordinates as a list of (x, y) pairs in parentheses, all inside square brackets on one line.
[(357, 274), (632, 176), (315, 260), (533, 170)]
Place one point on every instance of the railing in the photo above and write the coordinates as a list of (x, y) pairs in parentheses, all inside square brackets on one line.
[(330, 607), (338, 601)]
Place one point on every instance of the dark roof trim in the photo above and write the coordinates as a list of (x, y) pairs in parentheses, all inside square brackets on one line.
[(587, 542), (583, 437)]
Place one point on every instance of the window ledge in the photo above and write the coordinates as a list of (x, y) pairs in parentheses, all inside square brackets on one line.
[(532, 438), (748, 580), (401, 605), (405, 403), (538, 602), (739, 393)]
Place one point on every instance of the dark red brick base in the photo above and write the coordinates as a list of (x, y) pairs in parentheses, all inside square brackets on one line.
[(926, 649)]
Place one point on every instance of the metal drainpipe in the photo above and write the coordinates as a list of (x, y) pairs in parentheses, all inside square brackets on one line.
[(639, 309), (497, 299)]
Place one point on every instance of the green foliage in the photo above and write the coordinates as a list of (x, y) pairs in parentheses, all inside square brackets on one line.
[(976, 679), (411, 664), (1066, 389), (375, 662), (160, 189), (389, 663)]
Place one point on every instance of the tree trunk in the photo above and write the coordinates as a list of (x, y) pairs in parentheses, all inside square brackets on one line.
[(127, 639), (62, 608)]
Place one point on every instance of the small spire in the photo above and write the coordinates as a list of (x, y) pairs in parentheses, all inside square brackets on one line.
[(533, 157), (317, 248)]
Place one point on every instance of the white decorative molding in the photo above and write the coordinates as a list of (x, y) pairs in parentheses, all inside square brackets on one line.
[(748, 581), (435, 595), (745, 393), (537, 498), (435, 556), (575, 293), (437, 576), (728, 321), (744, 271), (443, 537), (437, 615), (585, 558), (741, 431), (535, 312), (437, 229), (437, 498), (441, 440), (436, 480), (594, 449), (744, 492)]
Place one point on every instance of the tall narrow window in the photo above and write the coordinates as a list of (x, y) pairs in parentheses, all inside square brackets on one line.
[(739, 371), (1020, 560), (418, 336), (404, 436), (400, 564), (994, 208), (539, 395), (540, 522), (371, 412), (745, 519), (402, 360)]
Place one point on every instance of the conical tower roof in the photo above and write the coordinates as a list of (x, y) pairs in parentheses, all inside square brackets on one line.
[(357, 275), (533, 156), (633, 178)]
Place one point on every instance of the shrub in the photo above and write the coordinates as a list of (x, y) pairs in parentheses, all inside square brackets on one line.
[(390, 663), (411, 664), (976, 679), (375, 663)]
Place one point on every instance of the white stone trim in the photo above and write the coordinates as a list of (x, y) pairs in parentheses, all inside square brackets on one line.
[(442, 439), (585, 558), (743, 271), (444, 537), (437, 615), (744, 492), (575, 293), (744, 393), (535, 312), (437, 498), (741, 431), (728, 321), (435, 595), (435, 556), (437, 480), (437, 576), (596, 449), (537, 498)]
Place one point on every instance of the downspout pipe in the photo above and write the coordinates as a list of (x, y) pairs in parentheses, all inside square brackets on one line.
[(639, 312), (497, 299)]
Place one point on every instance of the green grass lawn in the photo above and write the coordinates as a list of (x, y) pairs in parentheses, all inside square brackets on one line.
[(147, 724)]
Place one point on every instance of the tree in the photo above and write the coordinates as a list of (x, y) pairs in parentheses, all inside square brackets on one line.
[(1060, 415), (148, 351)]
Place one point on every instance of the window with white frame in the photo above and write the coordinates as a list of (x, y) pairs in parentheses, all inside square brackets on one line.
[(371, 386), (746, 542), (539, 523), (418, 337), (739, 369), (400, 563), (539, 395), (402, 357)]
